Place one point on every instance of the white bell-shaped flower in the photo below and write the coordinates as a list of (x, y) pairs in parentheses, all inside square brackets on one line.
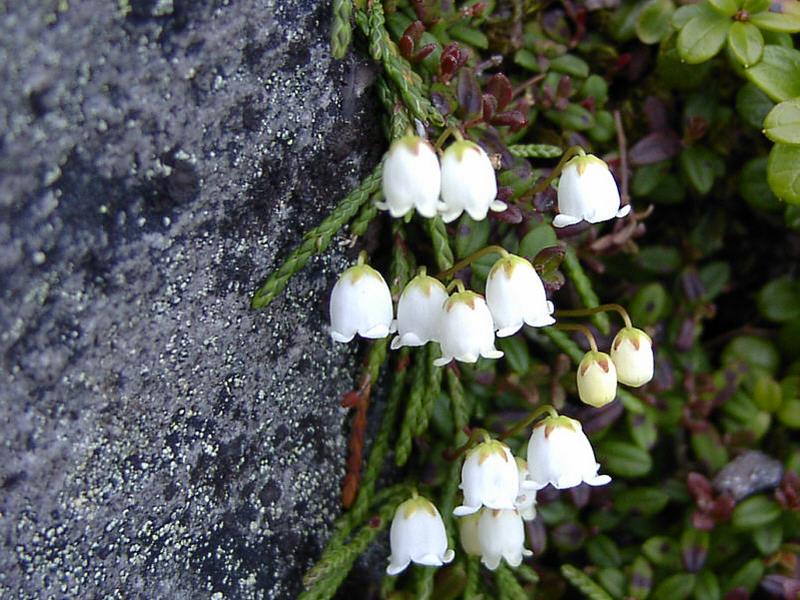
[(559, 453), (417, 535), (501, 534), (587, 191), (411, 178), (489, 478), (360, 304), (468, 534), (597, 379), (468, 183), (466, 330), (419, 311), (632, 354), (515, 295), (526, 495)]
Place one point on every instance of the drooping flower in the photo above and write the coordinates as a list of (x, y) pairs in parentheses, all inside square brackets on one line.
[(419, 311), (360, 304), (466, 330), (597, 379), (632, 353), (515, 295), (489, 478), (468, 183), (587, 191), (468, 534), (417, 535), (411, 178), (526, 495), (559, 453), (501, 534)]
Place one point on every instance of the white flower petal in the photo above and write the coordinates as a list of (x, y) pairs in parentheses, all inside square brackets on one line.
[(360, 303), (587, 191), (466, 330), (411, 177), (468, 182)]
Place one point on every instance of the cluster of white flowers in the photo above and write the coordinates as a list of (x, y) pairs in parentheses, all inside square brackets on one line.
[(413, 179), (464, 323), (630, 362), (499, 495)]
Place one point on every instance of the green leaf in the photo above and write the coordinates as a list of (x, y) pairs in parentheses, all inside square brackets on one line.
[(715, 277), (708, 449), (595, 87), (684, 14), (785, 19), (643, 500), (659, 259), (641, 578), (783, 174), (748, 576), (516, 353), (755, 6), (726, 7), (569, 64), (753, 105), (754, 188), (470, 36), (703, 36), (675, 587), (783, 122), (706, 586), (537, 239), (779, 300), (755, 512), (584, 583), (574, 117), (776, 74), (471, 235), (767, 393), (604, 127), (698, 166), (653, 23), (789, 413), (768, 538), (746, 42), (603, 551), (527, 60), (624, 459), (612, 580), (649, 304), (643, 430)]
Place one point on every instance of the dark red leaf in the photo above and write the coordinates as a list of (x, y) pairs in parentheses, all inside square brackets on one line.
[(489, 106), (655, 112), (500, 87), (469, 94), (654, 148), (406, 45), (564, 87), (415, 31), (512, 118)]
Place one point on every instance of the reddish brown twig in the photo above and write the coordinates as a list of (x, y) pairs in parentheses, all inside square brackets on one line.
[(358, 399)]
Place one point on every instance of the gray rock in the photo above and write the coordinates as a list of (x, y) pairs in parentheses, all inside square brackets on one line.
[(158, 439), (748, 473)]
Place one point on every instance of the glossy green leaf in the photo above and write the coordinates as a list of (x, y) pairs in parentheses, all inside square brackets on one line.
[(706, 586), (527, 60), (641, 500), (471, 235), (574, 117), (777, 74), (698, 166), (654, 22), (783, 15), (753, 105), (755, 6), (715, 276), (613, 580), (782, 124), (516, 353), (748, 576), (595, 87), (754, 188), (659, 259), (537, 239), (624, 459), (569, 64), (767, 393), (641, 578), (756, 352), (709, 449), (779, 300), (604, 128), (755, 512), (662, 552), (726, 7), (603, 551), (789, 413), (684, 14), (768, 538), (783, 173), (470, 36), (649, 304), (643, 430), (746, 43), (703, 36), (674, 587)]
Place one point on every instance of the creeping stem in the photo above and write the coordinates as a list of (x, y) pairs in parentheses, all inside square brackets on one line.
[(465, 262), (583, 329), (527, 421), (585, 312)]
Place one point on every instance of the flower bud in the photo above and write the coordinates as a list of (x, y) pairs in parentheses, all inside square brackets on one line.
[(468, 534), (468, 183), (559, 453), (597, 379), (632, 353), (489, 478), (360, 304), (587, 191), (526, 495), (466, 330), (411, 178), (515, 295), (417, 535), (501, 534), (419, 312)]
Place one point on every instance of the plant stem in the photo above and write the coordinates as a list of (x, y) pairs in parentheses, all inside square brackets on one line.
[(527, 421), (583, 329), (585, 312), (465, 262)]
